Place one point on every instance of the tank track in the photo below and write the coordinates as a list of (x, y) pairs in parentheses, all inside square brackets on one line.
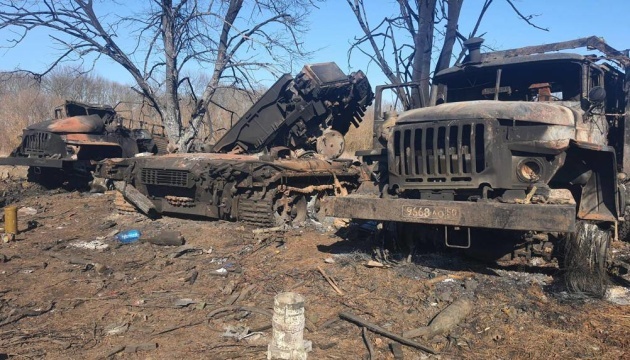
[(257, 209)]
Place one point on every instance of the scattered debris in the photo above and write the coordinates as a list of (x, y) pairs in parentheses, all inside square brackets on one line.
[(330, 281), (17, 314), (129, 236), (220, 272), (374, 264), (444, 321), (449, 277), (379, 330), (183, 302), (238, 332), (184, 250), (102, 269), (116, 329), (193, 277), (165, 238), (71, 259), (27, 211), (396, 349), (213, 313), (368, 344), (90, 245), (618, 295), (107, 224)]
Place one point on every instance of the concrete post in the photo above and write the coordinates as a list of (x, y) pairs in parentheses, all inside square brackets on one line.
[(287, 342)]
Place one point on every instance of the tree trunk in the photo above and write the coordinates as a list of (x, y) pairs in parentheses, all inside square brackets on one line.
[(172, 116), (454, 9), (186, 140), (423, 41)]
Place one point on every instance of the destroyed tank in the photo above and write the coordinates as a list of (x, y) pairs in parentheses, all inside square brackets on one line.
[(272, 167), (66, 148)]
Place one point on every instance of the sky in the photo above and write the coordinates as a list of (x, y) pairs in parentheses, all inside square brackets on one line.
[(333, 26)]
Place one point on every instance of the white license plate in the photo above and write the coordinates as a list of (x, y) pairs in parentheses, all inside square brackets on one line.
[(430, 212)]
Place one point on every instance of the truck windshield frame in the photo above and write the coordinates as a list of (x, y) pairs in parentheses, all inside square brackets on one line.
[(532, 81)]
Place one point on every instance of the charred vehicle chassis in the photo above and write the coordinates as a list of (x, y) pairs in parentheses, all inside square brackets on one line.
[(272, 167), (67, 147), (526, 141), (231, 187)]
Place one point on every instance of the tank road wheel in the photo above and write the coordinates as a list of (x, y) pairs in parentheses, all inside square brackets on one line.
[(290, 210), (585, 258)]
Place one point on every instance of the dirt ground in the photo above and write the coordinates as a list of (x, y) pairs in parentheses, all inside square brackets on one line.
[(59, 300)]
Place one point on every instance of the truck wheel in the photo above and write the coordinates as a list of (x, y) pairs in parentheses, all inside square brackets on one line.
[(585, 258), (624, 226)]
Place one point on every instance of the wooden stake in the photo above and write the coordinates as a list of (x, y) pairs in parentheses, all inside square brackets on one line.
[(330, 281)]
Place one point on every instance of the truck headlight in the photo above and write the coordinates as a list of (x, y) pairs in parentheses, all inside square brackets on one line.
[(529, 170)]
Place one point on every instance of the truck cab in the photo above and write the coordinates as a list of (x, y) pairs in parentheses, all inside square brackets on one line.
[(529, 141)]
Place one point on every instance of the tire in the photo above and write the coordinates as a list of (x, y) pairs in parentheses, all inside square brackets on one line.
[(624, 226), (586, 258)]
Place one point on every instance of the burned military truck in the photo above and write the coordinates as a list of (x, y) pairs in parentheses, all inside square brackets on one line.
[(67, 147), (272, 167), (528, 141)]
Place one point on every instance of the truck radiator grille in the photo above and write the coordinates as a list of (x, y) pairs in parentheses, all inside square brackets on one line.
[(165, 177), (36, 142), (440, 153)]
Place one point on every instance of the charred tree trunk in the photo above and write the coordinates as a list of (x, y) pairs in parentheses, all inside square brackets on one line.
[(172, 117), (185, 142), (454, 9), (423, 41)]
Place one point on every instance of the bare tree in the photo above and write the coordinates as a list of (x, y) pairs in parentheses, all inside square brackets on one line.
[(234, 37), (403, 45)]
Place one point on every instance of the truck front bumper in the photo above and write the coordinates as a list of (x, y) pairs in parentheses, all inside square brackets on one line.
[(24, 161), (493, 215)]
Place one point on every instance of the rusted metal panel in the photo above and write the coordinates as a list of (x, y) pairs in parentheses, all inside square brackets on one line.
[(492, 215), (591, 42), (76, 124), (544, 113), (80, 135), (87, 139), (319, 101)]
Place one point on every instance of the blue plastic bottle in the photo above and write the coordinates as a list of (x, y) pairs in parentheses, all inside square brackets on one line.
[(129, 236)]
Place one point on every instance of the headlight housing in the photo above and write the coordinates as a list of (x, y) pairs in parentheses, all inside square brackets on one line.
[(529, 170)]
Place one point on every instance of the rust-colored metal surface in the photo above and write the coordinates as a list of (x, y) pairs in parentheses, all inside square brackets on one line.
[(318, 106), (493, 215), (63, 150), (88, 139), (545, 113), (276, 163), (76, 124)]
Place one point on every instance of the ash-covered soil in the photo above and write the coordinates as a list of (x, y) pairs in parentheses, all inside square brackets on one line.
[(68, 289)]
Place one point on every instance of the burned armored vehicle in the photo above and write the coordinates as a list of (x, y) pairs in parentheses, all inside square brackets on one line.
[(67, 147), (517, 145), (271, 167)]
